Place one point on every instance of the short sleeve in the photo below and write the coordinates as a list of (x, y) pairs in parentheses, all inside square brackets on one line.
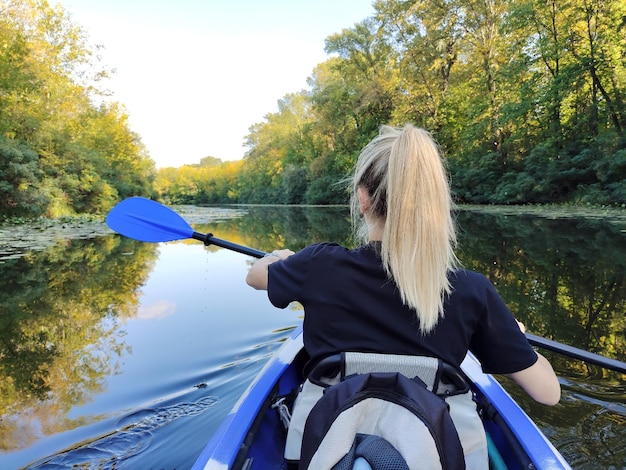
[(498, 343), (287, 278)]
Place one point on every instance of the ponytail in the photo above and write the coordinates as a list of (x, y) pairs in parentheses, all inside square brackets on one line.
[(402, 171)]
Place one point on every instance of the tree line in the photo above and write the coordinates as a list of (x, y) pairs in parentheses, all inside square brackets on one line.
[(65, 148), (525, 97)]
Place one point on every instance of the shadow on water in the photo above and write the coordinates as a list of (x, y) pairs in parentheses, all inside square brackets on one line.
[(564, 278)]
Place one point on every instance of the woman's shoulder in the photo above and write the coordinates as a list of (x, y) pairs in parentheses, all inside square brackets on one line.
[(323, 249), (465, 279), (460, 275), (471, 291), (335, 253)]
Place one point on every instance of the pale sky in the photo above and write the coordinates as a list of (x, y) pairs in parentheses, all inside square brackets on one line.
[(194, 75)]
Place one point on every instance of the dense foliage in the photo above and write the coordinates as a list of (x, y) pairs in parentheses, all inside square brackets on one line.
[(64, 149), (525, 97)]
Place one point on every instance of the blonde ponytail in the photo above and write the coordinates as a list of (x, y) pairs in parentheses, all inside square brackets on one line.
[(409, 194)]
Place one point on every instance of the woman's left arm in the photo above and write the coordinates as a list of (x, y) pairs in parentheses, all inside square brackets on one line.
[(538, 380), (257, 276)]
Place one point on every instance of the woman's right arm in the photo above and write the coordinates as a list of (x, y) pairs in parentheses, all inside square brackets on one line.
[(257, 276)]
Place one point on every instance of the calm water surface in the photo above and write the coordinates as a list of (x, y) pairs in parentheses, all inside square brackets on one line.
[(121, 354)]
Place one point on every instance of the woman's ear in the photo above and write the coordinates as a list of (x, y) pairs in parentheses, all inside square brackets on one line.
[(364, 199)]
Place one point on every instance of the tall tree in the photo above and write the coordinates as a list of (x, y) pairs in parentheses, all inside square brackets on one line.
[(598, 43), (365, 65), (81, 156), (426, 38)]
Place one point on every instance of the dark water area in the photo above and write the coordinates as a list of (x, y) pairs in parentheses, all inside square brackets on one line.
[(121, 354)]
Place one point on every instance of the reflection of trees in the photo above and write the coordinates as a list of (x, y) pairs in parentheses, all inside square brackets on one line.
[(273, 227), (565, 278), (59, 335)]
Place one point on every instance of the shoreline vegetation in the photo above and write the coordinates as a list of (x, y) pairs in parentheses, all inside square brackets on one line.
[(19, 235), (616, 214), (526, 101)]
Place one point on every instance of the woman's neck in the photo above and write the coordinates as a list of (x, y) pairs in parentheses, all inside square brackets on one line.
[(375, 230)]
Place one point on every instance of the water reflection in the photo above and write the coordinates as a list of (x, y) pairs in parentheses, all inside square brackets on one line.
[(271, 227), (59, 335), (589, 425), (62, 309), (565, 278)]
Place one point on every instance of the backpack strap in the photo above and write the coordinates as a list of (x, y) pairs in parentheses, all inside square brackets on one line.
[(439, 376), (424, 367)]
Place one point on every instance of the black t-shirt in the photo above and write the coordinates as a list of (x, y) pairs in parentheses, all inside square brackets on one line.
[(350, 304)]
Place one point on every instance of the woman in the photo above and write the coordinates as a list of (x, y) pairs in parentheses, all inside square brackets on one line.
[(401, 291)]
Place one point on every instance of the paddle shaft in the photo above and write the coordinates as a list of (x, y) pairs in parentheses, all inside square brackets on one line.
[(209, 239), (575, 353)]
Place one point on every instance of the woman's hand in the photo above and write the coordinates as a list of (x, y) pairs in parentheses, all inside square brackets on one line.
[(257, 276), (280, 254)]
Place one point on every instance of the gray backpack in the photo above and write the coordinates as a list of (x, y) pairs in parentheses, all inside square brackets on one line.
[(383, 420)]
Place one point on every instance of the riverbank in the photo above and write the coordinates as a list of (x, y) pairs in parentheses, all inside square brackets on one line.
[(17, 239), (18, 236)]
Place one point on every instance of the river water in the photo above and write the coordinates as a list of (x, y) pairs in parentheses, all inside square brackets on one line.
[(121, 354)]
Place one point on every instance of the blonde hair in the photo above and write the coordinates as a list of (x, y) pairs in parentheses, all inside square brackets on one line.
[(404, 177)]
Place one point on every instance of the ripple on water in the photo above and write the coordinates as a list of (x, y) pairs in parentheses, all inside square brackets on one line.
[(133, 435), (598, 435)]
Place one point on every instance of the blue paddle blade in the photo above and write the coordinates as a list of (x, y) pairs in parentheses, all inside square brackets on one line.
[(147, 221)]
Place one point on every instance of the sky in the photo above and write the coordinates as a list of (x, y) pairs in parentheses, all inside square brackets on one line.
[(194, 75)]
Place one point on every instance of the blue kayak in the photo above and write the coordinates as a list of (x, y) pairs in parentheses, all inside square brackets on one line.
[(253, 437)]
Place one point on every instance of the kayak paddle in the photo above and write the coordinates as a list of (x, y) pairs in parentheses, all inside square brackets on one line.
[(149, 221), (575, 353)]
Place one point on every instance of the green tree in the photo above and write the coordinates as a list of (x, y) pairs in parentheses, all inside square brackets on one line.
[(278, 142), (365, 67), (425, 36), (19, 177), (81, 156), (210, 162)]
